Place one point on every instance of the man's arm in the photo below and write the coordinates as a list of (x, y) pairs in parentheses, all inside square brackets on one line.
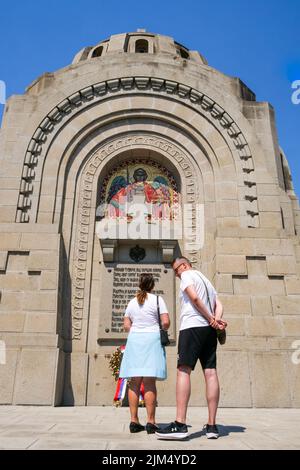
[(222, 324), (218, 309), (214, 322), (200, 306)]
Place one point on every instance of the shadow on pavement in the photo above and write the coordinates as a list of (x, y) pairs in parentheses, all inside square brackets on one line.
[(223, 431)]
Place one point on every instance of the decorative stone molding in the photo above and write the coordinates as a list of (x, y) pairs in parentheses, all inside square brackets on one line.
[(96, 92), (85, 216)]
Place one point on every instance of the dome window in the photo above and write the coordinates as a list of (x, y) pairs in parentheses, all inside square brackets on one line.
[(98, 51), (142, 46), (183, 53)]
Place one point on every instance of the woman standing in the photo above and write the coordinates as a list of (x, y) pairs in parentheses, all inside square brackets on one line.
[(144, 358)]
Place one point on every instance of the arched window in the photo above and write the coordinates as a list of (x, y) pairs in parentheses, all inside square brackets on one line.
[(141, 46), (98, 51)]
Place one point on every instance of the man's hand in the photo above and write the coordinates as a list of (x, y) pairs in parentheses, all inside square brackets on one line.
[(218, 324)]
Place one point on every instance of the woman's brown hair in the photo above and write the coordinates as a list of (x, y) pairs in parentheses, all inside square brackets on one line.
[(146, 285)]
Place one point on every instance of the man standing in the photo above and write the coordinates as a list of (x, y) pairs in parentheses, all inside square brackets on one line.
[(200, 317)]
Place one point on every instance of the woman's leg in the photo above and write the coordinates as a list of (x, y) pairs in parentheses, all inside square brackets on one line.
[(150, 398), (134, 397)]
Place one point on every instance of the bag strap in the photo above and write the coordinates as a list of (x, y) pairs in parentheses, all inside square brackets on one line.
[(158, 312), (207, 294)]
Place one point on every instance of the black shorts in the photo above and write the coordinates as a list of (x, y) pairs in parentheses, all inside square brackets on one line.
[(198, 343)]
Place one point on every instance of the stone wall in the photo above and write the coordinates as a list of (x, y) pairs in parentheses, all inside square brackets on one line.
[(29, 314)]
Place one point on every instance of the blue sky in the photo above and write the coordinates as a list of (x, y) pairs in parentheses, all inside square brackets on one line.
[(257, 41)]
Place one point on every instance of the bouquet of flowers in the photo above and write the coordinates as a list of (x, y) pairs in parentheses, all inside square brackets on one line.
[(114, 365), (115, 362)]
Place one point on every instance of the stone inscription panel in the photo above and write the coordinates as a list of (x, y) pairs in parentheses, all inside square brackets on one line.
[(121, 284), (125, 285)]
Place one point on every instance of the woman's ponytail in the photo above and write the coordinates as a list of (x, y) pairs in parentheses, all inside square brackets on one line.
[(146, 285), (141, 296)]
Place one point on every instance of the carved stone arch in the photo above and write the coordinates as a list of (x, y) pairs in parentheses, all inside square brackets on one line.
[(146, 86), (70, 176), (79, 284), (86, 201)]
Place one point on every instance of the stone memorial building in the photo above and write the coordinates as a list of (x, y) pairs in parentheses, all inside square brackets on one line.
[(136, 152)]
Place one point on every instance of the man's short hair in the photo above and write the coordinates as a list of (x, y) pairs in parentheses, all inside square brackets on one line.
[(181, 259)]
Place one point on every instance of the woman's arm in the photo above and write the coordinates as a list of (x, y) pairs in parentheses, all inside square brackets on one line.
[(127, 324), (165, 321)]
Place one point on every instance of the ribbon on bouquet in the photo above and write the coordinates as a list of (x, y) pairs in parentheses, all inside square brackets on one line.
[(121, 392), (122, 386)]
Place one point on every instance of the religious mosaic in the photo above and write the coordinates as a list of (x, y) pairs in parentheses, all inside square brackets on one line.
[(139, 184)]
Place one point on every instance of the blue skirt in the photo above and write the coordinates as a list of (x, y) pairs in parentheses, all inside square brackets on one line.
[(144, 356)]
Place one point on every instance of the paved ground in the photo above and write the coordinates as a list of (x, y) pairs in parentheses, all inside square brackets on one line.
[(37, 427)]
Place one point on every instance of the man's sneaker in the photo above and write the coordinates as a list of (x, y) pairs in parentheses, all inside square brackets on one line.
[(211, 431), (173, 431)]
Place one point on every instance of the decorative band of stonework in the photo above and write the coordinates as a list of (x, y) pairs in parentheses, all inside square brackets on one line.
[(36, 149)]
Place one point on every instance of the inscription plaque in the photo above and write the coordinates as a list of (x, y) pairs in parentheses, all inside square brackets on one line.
[(121, 283)]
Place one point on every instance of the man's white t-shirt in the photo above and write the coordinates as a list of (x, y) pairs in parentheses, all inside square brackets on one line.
[(190, 317), (144, 317)]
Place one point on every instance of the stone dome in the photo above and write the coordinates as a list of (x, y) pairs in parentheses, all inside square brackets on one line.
[(139, 42)]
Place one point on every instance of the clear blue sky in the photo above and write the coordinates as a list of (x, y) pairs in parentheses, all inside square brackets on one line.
[(255, 40)]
